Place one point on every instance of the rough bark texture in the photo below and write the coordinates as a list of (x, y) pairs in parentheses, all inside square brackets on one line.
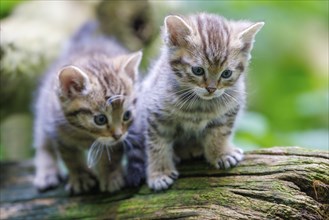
[(275, 183)]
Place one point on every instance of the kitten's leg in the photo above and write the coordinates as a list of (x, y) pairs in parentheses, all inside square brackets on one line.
[(218, 149), (81, 179), (161, 171), (110, 170), (47, 170)]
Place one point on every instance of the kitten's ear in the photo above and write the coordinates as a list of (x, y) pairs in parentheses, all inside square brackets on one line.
[(73, 81), (247, 35), (176, 30), (132, 64)]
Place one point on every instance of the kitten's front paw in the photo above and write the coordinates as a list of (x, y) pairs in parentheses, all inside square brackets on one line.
[(162, 181), (112, 182), (81, 183), (229, 159), (47, 179)]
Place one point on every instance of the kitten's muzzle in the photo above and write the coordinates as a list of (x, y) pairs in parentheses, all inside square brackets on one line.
[(211, 89), (117, 136)]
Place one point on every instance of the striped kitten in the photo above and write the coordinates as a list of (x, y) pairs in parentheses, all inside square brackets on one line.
[(193, 94), (85, 103)]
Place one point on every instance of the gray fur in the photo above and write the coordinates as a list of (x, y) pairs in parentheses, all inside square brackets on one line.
[(177, 117), (93, 76)]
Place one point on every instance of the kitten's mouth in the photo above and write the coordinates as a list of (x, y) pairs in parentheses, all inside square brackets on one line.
[(209, 96), (206, 95), (110, 141)]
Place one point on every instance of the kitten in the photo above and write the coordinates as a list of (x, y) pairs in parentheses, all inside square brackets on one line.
[(194, 93), (85, 102)]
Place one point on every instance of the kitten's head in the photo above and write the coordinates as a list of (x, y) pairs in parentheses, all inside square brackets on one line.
[(208, 53), (96, 95)]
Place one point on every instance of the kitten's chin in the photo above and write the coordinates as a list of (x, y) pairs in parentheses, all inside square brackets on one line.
[(206, 96)]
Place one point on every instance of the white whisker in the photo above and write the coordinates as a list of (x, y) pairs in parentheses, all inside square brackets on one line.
[(190, 104), (108, 152), (182, 98), (127, 143), (115, 98), (231, 97), (196, 99), (187, 99), (94, 154)]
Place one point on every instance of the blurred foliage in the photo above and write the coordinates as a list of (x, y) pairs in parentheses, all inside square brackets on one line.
[(6, 7)]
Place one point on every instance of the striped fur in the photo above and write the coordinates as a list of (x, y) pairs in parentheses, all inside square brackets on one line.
[(94, 76), (180, 118)]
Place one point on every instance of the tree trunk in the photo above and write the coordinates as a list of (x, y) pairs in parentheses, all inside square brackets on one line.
[(275, 183)]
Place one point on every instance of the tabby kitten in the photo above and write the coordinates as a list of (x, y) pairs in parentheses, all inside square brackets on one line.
[(85, 102), (194, 93)]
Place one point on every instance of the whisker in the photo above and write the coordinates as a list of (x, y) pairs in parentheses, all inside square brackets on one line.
[(231, 97), (196, 99), (237, 91), (180, 94), (127, 143), (188, 100), (190, 104), (181, 91), (114, 98), (185, 100), (94, 154), (108, 152), (182, 98)]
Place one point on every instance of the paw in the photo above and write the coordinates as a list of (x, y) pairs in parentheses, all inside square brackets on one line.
[(229, 159), (112, 182), (162, 181), (47, 179), (81, 183)]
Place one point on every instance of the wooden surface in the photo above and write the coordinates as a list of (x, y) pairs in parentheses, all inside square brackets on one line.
[(276, 183)]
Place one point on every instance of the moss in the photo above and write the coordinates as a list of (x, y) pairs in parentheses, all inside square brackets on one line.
[(162, 202), (266, 187)]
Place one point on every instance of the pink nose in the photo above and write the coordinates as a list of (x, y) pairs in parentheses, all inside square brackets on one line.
[(117, 136), (211, 89)]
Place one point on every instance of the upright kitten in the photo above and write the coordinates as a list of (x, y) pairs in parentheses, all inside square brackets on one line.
[(85, 102), (193, 94)]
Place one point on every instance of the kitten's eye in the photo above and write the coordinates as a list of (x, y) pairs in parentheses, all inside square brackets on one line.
[(199, 71), (100, 119), (226, 74), (127, 115)]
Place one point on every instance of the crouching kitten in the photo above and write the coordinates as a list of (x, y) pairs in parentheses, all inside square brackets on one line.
[(85, 103)]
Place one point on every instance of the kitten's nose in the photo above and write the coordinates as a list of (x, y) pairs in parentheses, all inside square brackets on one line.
[(117, 136), (211, 89)]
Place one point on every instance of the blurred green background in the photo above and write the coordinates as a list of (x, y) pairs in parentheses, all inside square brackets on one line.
[(288, 79)]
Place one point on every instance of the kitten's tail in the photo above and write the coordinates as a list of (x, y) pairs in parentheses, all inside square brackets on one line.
[(136, 159), (82, 37), (86, 31)]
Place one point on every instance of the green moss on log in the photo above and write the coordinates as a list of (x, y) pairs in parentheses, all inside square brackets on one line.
[(276, 183)]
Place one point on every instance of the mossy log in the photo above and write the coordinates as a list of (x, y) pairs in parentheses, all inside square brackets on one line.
[(275, 183)]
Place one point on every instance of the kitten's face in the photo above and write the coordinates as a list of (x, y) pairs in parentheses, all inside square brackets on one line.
[(208, 54), (97, 96)]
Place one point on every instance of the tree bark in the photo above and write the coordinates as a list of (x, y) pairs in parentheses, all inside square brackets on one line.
[(274, 183)]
